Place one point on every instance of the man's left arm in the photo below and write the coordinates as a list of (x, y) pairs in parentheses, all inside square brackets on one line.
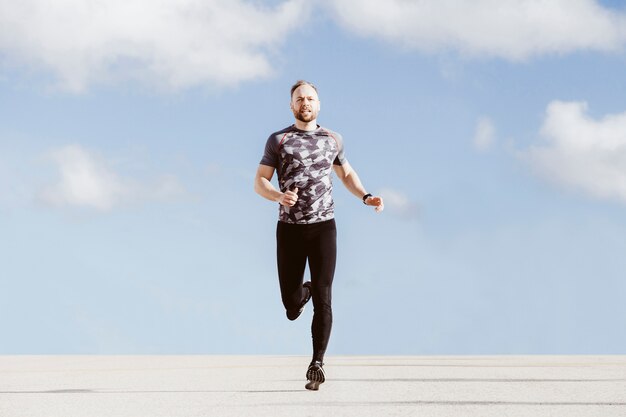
[(351, 180)]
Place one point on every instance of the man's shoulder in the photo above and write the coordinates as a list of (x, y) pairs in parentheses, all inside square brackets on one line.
[(328, 132), (331, 134), (279, 134)]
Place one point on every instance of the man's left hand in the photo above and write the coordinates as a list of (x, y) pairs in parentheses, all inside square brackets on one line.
[(377, 202)]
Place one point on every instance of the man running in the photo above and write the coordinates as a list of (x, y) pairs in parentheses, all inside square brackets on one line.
[(303, 155)]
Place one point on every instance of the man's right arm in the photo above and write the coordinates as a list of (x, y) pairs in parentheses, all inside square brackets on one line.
[(263, 187)]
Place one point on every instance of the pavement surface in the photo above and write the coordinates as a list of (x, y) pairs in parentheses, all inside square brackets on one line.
[(173, 386)]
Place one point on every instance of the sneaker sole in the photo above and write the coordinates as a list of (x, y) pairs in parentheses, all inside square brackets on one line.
[(316, 377), (313, 385), (296, 316), (306, 285)]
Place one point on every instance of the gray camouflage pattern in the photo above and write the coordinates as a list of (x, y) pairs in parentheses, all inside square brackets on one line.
[(305, 160)]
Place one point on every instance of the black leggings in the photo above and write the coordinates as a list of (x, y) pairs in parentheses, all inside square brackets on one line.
[(316, 242)]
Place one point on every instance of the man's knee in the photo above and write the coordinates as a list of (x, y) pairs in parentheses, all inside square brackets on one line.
[(322, 297)]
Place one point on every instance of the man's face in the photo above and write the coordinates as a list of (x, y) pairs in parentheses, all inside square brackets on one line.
[(305, 104)]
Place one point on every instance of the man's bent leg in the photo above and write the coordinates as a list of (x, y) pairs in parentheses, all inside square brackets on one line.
[(291, 258)]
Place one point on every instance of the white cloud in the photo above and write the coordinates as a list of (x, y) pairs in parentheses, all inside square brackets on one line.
[(399, 203), (510, 29), (176, 44), (170, 44), (87, 180), (84, 181), (582, 153), (484, 136)]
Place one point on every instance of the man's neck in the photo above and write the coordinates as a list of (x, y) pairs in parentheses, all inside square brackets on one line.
[(309, 126)]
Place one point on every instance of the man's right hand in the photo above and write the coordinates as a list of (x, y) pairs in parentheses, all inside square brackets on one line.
[(289, 198)]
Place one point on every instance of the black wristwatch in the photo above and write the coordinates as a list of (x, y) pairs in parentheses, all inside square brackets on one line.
[(366, 196)]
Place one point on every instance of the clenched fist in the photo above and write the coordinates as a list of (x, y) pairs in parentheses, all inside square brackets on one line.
[(377, 202), (289, 198)]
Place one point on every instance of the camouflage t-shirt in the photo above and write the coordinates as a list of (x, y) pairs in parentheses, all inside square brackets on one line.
[(303, 160)]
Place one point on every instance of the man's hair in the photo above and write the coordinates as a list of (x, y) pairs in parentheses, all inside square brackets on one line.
[(299, 83)]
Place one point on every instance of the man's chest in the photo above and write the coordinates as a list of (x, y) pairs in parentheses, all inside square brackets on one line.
[(308, 150)]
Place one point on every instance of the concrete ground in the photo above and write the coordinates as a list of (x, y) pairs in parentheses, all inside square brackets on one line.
[(172, 386)]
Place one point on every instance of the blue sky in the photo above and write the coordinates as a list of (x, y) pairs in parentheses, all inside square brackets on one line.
[(130, 134)]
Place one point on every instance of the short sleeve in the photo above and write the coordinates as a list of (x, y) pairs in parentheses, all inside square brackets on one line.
[(341, 157), (270, 156)]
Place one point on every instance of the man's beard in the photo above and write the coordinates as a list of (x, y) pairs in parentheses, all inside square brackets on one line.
[(306, 117)]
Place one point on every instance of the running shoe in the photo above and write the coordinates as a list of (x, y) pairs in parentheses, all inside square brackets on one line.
[(316, 376), (292, 315)]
